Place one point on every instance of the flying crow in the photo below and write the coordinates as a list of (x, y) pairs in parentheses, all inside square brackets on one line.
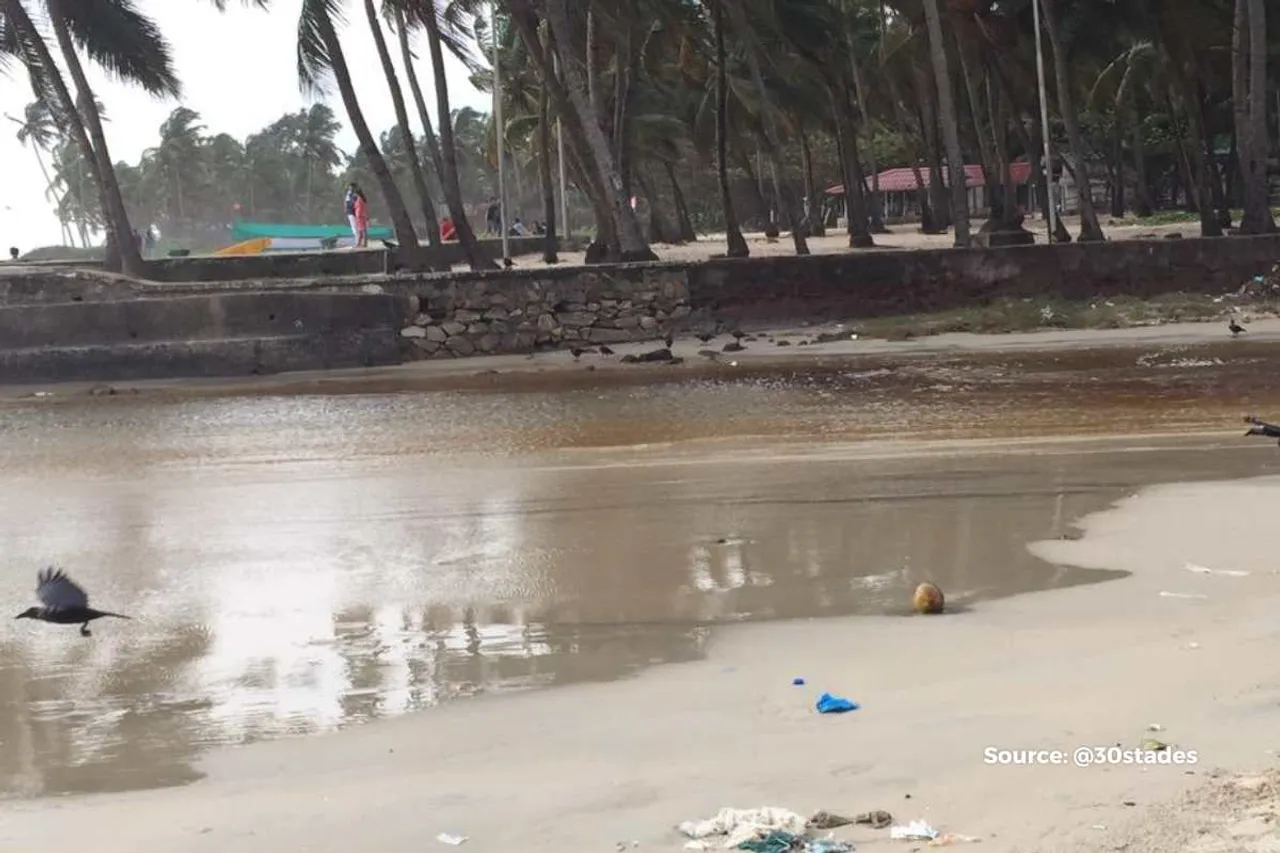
[(64, 602)]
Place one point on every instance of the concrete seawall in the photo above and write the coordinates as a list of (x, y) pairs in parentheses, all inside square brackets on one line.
[(63, 324), (518, 310)]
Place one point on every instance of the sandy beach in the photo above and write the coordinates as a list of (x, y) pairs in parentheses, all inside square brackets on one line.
[(593, 766)]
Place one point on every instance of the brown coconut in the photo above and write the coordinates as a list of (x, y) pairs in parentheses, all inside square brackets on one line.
[(928, 599)]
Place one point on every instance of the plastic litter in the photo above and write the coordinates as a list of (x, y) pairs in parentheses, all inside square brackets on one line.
[(454, 840), (798, 682), (829, 704), (1155, 727), (827, 845), (949, 838), (917, 830), (1164, 594), (1205, 570), (739, 825)]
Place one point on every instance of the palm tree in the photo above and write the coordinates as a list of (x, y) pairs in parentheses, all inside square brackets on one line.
[(1251, 110), (125, 42), (737, 244), (402, 120), (1089, 227), (424, 12), (950, 124), (320, 55), (37, 129), (631, 241)]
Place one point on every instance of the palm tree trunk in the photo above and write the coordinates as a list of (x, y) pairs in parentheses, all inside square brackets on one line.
[(448, 150), (1141, 192), (402, 121), (1089, 227), (411, 250), (550, 243), (817, 227), (683, 224), (1257, 215), (630, 238), (605, 244), (771, 137), (419, 102), (86, 125), (737, 245), (950, 123)]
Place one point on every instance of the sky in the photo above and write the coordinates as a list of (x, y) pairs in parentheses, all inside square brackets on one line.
[(238, 71)]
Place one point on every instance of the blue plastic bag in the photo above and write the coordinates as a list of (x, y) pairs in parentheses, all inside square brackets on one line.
[(828, 704)]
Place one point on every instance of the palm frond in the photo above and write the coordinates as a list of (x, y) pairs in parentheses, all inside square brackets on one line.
[(123, 41), (315, 65)]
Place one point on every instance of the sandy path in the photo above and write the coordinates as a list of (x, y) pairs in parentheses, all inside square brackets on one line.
[(581, 768), (906, 236)]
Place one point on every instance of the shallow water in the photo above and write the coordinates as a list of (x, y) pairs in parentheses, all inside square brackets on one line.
[(295, 564)]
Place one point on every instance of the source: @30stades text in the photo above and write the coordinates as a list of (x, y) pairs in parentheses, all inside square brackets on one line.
[(1090, 756)]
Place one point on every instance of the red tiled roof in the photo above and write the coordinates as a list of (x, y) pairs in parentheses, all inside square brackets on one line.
[(903, 179)]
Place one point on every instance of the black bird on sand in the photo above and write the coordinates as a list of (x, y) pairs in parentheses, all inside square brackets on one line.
[(605, 351), (577, 352), (738, 334), (669, 340), (705, 337), (64, 602), (1262, 428), (1234, 327)]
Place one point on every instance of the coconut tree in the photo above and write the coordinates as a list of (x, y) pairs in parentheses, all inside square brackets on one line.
[(128, 45), (37, 130), (950, 123), (320, 57), (402, 122)]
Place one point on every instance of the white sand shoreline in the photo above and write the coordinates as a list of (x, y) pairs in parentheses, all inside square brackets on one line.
[(584, 767)]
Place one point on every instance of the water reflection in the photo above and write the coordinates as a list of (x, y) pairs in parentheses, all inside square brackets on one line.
[(299, 564)]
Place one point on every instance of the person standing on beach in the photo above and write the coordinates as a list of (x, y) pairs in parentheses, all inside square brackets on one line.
[(361, 210), (349, 205)]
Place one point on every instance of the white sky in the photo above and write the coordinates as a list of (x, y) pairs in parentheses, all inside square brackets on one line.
[(238, 71)]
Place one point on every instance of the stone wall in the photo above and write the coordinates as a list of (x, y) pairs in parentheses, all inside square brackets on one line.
[(533, 308), (548, 308)]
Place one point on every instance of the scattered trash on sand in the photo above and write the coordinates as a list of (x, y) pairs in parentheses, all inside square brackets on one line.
[(765, 830), (1154, 727), (453, 840), (1192, 646), (828, 820), (740, 825), (949, 838), (1205, 570), (917, 830), (828, 704), (877, 819), (797, 682), (1194, 595), (1150, 744)]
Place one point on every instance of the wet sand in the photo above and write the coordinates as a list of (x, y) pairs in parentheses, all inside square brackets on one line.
[(301, 562), (587, 766)]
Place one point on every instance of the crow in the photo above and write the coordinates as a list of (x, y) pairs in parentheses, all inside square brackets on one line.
[(64, 602), (605, 351), (669, 340), (738, 334), (1234, 327), (577, 352), (1262, 428), (705, 337)]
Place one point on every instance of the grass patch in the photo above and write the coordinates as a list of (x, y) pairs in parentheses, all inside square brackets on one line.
[(1028, 315)]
